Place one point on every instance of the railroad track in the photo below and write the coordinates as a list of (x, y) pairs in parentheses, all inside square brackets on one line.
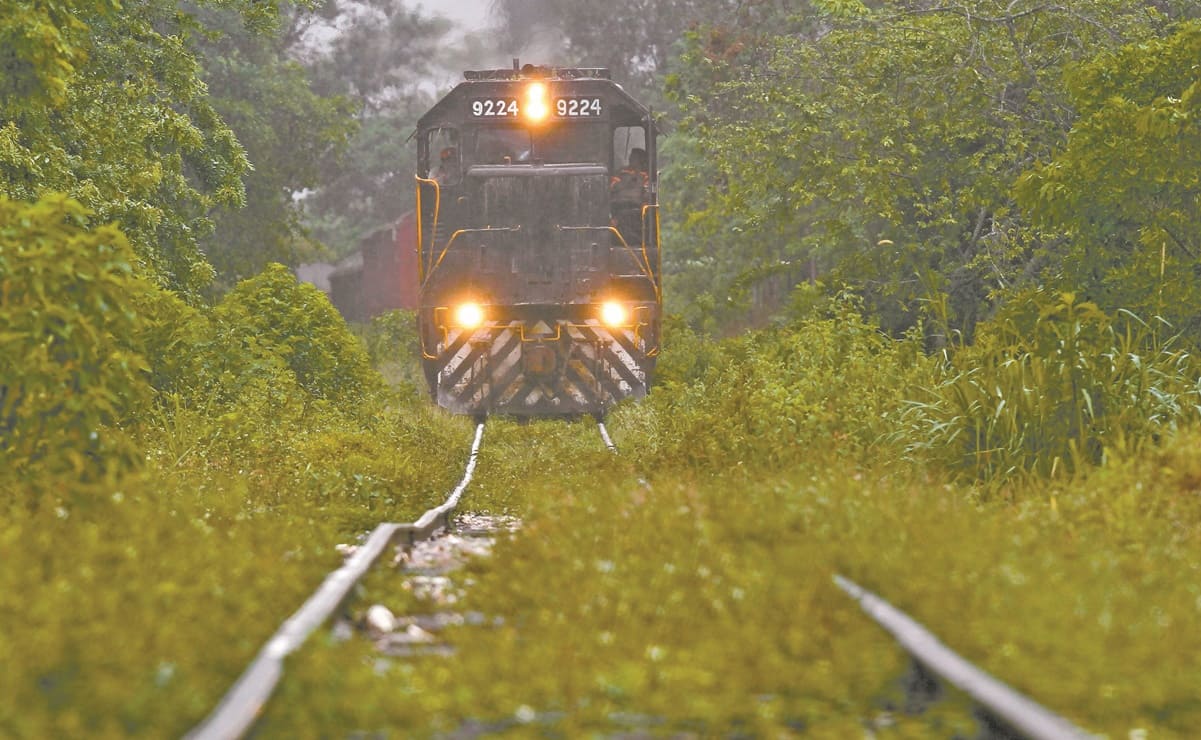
[(1001, 711), (241, 706), (604, 433)]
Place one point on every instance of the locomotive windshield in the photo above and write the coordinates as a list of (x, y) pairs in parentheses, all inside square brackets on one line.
[(571, 143)]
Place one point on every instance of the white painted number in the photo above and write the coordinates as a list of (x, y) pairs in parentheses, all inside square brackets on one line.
[(577, 107), (494, 108)]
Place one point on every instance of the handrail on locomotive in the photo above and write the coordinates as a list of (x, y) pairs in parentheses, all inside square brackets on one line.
[(644, 264)]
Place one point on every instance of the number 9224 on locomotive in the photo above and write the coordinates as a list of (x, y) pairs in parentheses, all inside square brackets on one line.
[(538, 243)]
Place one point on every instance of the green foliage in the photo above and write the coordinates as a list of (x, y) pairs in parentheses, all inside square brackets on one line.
[(378, 61), (683, 586), (659, 597), (1125, 189), (41, 46), (392, 335), (292, 134), (372, 186), (877, 145), (130, 616), (636, 41), (131, 134), (70, 369), (832, 382), (394, 349), (1051, 387), (274, 315), (686, 357), (211, 480)]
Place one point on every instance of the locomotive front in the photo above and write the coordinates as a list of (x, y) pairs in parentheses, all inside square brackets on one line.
[(538, 244)]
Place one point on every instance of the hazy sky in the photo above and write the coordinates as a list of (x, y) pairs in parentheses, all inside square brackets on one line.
[(471, 13)]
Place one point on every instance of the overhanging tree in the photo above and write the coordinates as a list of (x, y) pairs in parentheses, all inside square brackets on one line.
[(1120, 203), (292, 134), (105, 102), (885, 145), (381, 61)]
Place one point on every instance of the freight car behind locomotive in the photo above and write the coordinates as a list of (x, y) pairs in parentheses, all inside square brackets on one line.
[(539, 267)]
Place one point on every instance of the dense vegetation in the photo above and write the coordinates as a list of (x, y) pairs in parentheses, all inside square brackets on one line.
[(967, 236), (690, 590)]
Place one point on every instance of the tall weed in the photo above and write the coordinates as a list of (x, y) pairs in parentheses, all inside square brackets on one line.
[(1050, 385), (394, 349)]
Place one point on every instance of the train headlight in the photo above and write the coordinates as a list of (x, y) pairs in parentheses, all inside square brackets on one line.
[(469, 315), (614, 314), (536, 107)]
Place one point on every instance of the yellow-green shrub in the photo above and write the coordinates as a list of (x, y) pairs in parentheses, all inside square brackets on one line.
[(774, 396), (70, 370), (395, 350), (272, 315)]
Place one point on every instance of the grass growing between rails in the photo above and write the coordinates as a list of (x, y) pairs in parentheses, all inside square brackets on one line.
[(686, 585), (709, 607)]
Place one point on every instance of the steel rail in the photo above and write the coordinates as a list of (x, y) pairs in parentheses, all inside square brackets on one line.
[(244, 702), (1013, 710), (604, 433)]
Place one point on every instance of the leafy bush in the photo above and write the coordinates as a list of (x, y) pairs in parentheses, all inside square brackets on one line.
[(1051, 384), (210, 367), (392, 334), (273, 315), (70, 370), (1123, 189), (687, 355), (395, 350), (223, 452), (771, 397)]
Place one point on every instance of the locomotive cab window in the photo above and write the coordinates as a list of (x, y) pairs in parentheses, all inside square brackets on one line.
[(500, 145), (444, 156), (562, 144), (575, 142), (625, 140), (630, 184)]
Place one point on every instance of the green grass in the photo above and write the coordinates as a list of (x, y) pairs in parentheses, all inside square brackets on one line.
[(706, 604), (681, 586), (131, 615), (686, 585)]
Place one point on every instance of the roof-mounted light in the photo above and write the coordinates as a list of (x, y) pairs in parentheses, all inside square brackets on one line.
[(536, 106)]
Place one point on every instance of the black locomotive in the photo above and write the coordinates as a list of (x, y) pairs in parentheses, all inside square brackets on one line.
[(538, 243)]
